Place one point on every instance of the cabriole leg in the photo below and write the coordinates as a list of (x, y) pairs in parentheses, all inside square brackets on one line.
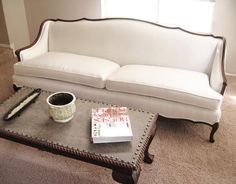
[(16, 88), (213, 131), (125, 178)]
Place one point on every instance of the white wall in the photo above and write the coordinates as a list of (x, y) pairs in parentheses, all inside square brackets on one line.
[(224, 24), (39, 10), (17, 28), (3, 28)]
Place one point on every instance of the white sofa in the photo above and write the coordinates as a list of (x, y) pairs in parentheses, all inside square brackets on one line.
[(173, 72)]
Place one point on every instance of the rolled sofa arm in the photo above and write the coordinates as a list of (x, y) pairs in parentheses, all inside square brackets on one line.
[(38, 47), (217, 78)]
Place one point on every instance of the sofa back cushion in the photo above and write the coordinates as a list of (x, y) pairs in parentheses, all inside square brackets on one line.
[(134, 42)]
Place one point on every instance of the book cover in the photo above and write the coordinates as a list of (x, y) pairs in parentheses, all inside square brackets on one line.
[(111, 124)]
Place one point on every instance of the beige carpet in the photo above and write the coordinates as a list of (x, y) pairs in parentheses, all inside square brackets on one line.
[(6, 71), (182, 153)]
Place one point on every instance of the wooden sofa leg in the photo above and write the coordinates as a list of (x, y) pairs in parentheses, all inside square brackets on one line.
[(214, 129), (16, 88)]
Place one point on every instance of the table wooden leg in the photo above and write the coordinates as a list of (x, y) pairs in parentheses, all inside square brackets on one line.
[(148, 158), (126, 178)]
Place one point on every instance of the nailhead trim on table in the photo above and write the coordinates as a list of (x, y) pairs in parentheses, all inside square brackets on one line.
[(133, 165)]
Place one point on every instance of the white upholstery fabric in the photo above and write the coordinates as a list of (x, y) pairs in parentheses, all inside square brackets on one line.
[(166, 108), (171, 84), (216, 78), (133, 42), (40, 47), (79, 69), (68, 54)]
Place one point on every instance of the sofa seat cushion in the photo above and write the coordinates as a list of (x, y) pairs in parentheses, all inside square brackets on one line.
[(171, 84), (90, 71)]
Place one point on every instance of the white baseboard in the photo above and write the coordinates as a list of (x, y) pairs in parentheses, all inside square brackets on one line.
[(231, 74), (11, 46), (5, 45)]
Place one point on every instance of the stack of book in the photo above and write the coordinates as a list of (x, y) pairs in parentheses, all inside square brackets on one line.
[(111, 124)]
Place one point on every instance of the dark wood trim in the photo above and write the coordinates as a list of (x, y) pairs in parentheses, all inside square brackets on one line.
[(152, 23), (214, 126), (223, 67), (17, 52), (16, 88)]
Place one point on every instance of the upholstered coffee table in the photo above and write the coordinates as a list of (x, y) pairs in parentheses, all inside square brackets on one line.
[(34, 127)]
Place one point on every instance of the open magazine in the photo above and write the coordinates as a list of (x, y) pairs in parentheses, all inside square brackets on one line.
[(111, 124)]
